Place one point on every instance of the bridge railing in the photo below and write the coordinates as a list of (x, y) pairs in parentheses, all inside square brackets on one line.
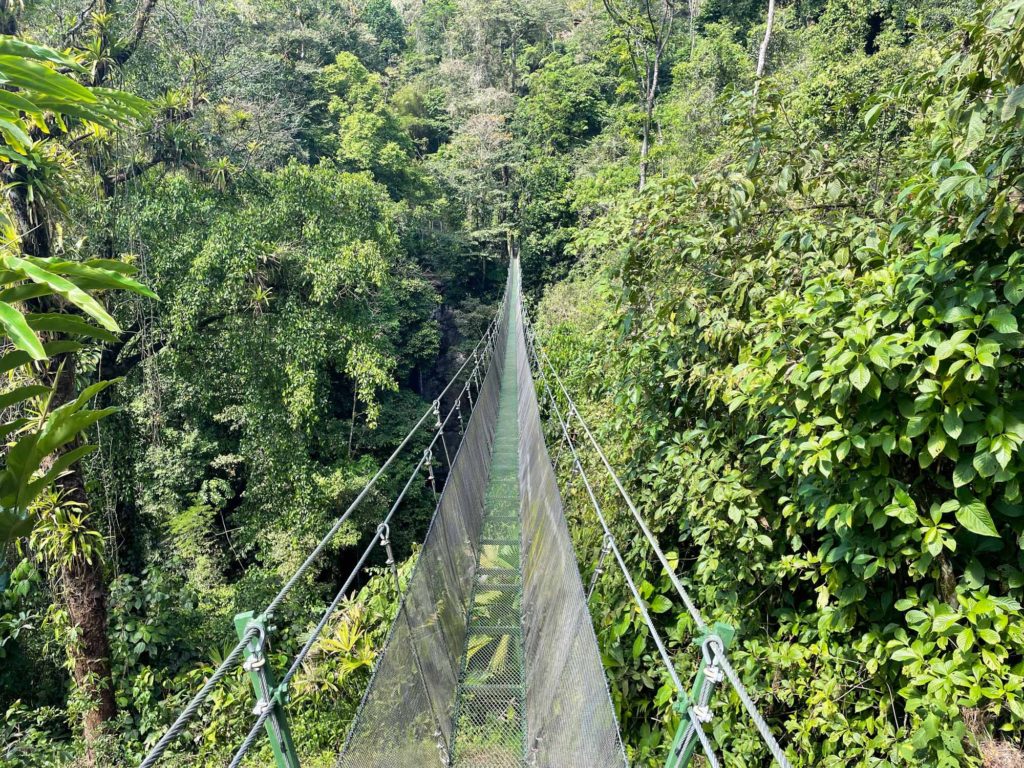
[(693, 703), (254, 629)]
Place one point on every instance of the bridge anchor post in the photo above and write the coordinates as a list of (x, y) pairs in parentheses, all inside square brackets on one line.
[(268, 693), (694, 707)]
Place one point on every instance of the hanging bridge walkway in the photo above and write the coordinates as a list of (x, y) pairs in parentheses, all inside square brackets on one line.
[(492, 660)]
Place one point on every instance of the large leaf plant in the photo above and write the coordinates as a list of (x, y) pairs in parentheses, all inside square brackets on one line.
[(40, 102)]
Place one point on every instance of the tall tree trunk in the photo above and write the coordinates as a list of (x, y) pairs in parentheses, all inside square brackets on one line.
[(650, 98), (645, 139), (84, 589), (85, 594)]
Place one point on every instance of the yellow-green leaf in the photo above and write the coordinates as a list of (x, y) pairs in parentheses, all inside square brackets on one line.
[(17, 329)]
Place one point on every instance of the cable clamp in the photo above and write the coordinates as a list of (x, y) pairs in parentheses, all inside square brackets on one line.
[(701, 714), (254, 662), (714, 673), (262, 707)]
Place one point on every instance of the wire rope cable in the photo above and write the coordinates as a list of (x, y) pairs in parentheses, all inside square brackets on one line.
[(235, 655), (717, 651)]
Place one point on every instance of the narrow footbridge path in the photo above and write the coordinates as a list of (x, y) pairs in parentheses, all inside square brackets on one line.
[(492, 660)]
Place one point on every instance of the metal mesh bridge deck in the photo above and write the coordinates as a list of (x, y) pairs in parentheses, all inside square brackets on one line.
[(490, 701), (492, 661)]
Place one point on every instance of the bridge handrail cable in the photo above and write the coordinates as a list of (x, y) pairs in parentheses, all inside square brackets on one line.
[(714, 651), (235, 655)]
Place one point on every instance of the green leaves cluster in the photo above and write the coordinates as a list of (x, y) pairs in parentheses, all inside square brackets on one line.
[(39, 100), (818, 392)]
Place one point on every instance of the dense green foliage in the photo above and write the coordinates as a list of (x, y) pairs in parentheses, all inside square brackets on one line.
[(800, 342), (816, 383)]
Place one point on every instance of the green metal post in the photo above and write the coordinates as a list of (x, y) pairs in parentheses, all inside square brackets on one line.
[(268, 692), (685, 742)]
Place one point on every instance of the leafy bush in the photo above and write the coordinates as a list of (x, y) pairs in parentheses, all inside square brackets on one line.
[(818, 391)]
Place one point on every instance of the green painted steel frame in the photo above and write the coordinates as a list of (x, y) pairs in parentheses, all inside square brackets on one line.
[(684, 744), (268, 692)]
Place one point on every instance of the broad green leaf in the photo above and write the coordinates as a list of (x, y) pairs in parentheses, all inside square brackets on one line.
[(24, 292), (17, 103), (904, 654), (964, 473), (936, 443), (957, 314), (15, 136), (871, 116), (952, 423), (70, 324), (945, 349), (14, 523), (976, 519), (975, 131), (122, 100), (60, 465), (1014, 290), (14, 46), (660, 604), (1002, 319), (985, 463), (65, 288), (860, 377), (19, 394), (89, 277), (1013, 101), (17, 329), (1002, 449), (36, 77), (58, 432)]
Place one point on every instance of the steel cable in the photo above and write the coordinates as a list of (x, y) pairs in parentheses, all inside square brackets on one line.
[(691, 607), (197, 701), (748, 704), (232, 659), (613, 546)]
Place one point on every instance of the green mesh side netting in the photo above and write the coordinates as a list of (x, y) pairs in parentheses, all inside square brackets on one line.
[(492, 661)]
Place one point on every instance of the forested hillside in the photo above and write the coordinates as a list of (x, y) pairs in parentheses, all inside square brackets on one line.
[(778, 263)]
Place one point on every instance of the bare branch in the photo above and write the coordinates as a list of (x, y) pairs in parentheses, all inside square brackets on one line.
[(762, 55), (131, 43), (80, 19)]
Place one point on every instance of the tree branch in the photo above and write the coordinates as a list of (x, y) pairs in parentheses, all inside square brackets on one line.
[(72, 33), (112, 181), (762, 55), (131, 43)]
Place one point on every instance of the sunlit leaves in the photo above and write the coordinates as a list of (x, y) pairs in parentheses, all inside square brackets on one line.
[(975, 517), (855, 370), (43, 91)]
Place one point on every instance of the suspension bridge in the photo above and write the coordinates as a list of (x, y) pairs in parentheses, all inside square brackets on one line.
[(492, 660)]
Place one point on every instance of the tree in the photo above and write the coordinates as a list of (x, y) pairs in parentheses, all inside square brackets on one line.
[(646, 28), (369, 135), (387, 27), (47, 332)]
